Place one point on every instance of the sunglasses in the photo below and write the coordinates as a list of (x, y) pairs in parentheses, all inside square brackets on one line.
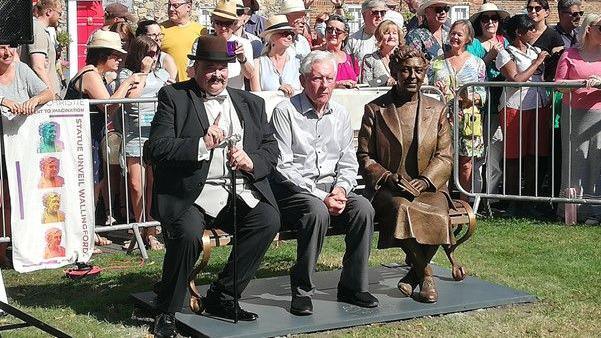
[(378, 13), (334, 30), (287, 34), (534, 8), (152, 53), (223, 23), (440, 9), (574, 14), (487, 18)]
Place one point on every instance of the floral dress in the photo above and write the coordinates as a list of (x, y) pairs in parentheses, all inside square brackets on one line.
[(471, 141)]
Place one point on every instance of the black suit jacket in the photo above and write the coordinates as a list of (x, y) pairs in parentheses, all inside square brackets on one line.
[(178, 125)]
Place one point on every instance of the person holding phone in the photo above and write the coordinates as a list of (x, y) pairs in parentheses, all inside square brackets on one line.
[(224, 20), (142, 60)]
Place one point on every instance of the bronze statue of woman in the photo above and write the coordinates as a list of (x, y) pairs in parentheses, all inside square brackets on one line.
[(405, 155)]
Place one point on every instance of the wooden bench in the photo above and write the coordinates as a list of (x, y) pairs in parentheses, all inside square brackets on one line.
[(463, 223)]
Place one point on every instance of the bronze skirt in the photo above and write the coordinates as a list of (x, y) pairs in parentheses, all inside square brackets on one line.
[(425, 218)]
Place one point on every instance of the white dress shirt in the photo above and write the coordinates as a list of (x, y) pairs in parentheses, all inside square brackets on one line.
[(215, 193), (315, 150)]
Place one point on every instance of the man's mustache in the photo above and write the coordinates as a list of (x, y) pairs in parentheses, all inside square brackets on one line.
[(216, 78)]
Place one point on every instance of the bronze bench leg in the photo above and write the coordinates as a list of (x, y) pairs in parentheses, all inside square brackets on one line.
[(195, 298), (458, 271)]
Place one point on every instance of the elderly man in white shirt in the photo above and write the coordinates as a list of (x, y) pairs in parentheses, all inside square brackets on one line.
[(295, 11), (314, 184), (363, 41)]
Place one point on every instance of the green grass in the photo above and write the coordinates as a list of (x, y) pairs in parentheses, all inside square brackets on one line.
[(560, 265)]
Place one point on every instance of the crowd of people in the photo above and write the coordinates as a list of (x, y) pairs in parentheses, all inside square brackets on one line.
[(303, 165)]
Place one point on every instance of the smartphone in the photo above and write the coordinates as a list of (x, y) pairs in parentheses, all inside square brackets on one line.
[(231, 48)]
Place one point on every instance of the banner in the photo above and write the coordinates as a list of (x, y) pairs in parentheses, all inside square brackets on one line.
[(49, 166)]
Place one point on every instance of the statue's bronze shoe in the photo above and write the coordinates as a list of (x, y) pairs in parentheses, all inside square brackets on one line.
[(427, 287), (408, 283)]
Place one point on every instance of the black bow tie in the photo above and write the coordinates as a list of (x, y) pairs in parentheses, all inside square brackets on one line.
[(219, 98)]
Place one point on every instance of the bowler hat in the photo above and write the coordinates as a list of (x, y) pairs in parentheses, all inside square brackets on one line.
[(211, 48)]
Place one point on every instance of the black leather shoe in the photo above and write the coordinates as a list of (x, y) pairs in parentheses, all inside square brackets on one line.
[(164, 326), (225, 309), (301, 306), (362, 299)]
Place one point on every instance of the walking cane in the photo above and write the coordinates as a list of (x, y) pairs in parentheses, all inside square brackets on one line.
[(231, 141)]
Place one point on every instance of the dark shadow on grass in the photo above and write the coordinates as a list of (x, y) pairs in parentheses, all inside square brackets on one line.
[(107, 297)]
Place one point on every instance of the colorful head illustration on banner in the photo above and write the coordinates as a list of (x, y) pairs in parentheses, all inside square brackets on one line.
[(49, 168), (52, 205), (53, 248), (50, 138)]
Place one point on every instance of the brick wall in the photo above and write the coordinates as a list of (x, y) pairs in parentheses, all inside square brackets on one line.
[(512, 6), (157, 9)]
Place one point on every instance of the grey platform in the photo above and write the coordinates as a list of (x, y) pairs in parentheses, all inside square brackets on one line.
[(270, 298)]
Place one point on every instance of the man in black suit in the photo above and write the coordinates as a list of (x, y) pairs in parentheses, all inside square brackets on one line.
[(192, 164)]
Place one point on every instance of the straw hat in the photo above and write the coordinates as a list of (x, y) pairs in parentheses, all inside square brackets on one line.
[(276, 23), (291, 6), (427, 3), (106, 39), (489, 7), (226, 9)]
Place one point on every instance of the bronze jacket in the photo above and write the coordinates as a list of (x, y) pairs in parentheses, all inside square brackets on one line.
[(380, 146)]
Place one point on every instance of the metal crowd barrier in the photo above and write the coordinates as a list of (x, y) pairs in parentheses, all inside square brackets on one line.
[(118, 107), (499, 191), (131, 223)]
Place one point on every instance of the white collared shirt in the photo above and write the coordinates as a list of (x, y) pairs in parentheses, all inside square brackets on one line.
[(216, 190)]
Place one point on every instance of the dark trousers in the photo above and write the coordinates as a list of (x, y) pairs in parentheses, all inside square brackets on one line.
[(309, 215), (183, 240)]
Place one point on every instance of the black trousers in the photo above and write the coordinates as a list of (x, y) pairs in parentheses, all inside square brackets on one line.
[(310, 216), (183, 240)]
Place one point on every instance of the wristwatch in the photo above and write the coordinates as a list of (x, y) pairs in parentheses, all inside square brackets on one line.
[(243, 61)]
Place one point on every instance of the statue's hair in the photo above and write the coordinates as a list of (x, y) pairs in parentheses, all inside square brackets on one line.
[(47, 125), (47, 160), (402, 54)]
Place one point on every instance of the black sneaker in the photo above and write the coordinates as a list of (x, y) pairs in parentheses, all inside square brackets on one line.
[(164, 326), (301, 306), (362, 299)]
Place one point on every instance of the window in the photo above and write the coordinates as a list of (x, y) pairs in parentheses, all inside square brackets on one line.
[(460, 12), (353, 13)]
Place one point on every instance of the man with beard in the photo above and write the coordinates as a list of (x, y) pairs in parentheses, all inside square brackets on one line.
[(192, 164), (41, 54)]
